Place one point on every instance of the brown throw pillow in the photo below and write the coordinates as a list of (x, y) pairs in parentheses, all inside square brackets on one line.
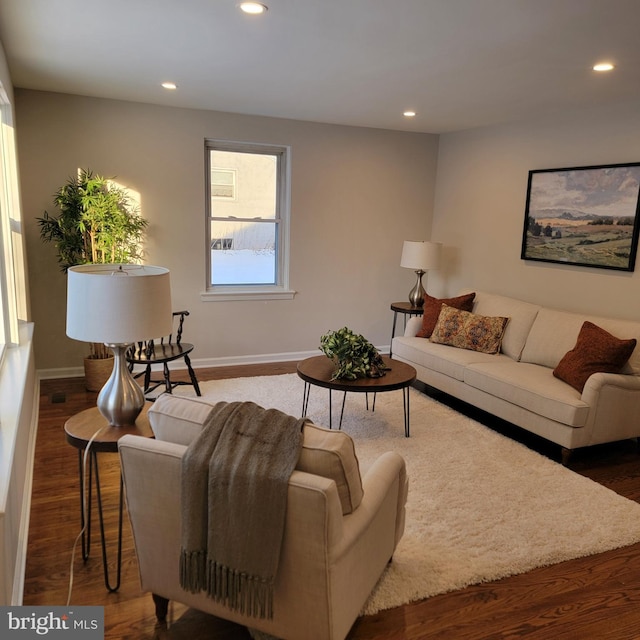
[(469, 330), (432, 307), (596, 351)]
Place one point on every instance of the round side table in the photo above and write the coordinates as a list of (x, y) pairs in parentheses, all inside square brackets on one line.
[(79, 431), (407, 309)]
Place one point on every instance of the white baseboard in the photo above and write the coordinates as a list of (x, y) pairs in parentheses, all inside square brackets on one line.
[(203, 363)]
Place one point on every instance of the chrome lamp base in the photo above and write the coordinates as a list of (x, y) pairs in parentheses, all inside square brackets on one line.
[(417, 294), (121, 399)]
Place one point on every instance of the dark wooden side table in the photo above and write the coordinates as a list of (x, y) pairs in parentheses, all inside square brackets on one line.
[(319, 369), (407, 309), (79, 431)]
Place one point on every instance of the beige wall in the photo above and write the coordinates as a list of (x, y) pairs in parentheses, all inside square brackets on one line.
[(356, 195), (480, 202)]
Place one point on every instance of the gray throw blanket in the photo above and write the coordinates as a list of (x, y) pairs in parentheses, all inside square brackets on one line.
[(235, 479)]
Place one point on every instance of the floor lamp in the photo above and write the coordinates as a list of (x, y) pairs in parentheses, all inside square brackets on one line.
[(118, 305), (420, 256)]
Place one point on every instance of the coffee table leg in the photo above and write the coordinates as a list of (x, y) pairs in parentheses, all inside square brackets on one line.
[(330, 409), (373, 406), (344, 397), (405, 402), (305, 398)]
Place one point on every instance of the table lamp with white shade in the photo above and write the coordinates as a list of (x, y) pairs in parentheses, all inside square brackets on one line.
[(421, 257), (118, 305)]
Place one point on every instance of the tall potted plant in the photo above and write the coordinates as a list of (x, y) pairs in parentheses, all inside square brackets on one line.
[(97, 222)]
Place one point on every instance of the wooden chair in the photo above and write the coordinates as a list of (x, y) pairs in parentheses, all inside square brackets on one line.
[(153, 352)]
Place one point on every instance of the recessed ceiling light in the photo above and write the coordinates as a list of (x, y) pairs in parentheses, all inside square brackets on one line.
[(603, 66), (170, 85), (254, 8), (409, 114)]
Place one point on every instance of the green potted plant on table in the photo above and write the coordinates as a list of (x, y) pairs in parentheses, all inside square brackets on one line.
[(353, 355), (97, 222)]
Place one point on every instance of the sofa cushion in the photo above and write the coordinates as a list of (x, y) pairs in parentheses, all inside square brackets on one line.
[(440, 358), (432, 307), (467, 330), (326, 453), (596, 351), (521, 316), (530, 387), (555, 332)]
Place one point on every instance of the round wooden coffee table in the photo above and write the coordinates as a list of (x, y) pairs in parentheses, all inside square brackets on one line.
[(318, 370)]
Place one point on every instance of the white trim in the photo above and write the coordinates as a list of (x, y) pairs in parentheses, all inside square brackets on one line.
[(204, 363), (65, 372), (21, 563), (19, 400), (237, 293)]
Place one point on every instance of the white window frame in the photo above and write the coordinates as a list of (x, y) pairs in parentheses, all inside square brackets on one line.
[(13, 304), (280, 290)]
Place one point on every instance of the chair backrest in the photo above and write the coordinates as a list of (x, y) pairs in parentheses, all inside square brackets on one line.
[(180, 315), (146, 346)]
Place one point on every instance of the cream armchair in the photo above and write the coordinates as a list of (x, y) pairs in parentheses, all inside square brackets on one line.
[(340, 531)]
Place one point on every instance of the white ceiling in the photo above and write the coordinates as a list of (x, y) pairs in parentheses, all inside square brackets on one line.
[(458, 63)]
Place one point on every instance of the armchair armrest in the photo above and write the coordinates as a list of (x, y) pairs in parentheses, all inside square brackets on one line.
[(385, 495)]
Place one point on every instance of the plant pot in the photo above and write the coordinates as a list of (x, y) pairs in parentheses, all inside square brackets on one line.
[(97, 372)]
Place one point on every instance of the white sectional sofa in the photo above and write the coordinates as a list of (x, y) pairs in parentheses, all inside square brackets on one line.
[(517, 384)]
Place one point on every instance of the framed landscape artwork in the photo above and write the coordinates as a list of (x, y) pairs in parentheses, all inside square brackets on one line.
[(585, 216)]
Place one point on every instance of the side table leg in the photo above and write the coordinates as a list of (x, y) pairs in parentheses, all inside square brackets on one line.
[(393, 332), (85, 514), (102, 534)]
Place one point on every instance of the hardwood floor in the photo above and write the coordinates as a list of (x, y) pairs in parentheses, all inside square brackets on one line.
[(589, 598)]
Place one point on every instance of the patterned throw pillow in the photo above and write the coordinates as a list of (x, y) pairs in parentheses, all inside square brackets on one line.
[(432, 307), (596, 351), (469, 330)]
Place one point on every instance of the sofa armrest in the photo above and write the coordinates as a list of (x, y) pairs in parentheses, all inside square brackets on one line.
[(413, 326), (614, 399), (597, 381)]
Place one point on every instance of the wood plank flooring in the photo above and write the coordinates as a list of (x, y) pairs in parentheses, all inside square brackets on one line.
[(586, 599)]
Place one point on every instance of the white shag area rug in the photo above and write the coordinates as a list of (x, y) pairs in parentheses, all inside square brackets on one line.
[(481, 506)]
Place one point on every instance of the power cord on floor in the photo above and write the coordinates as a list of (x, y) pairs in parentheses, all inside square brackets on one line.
[(85, 516)]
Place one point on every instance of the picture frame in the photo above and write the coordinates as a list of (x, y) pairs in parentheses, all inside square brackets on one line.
[(583, 216)]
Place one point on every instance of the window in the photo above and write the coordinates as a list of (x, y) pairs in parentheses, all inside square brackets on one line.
[(223, 184), (13, 303), (247, 220)]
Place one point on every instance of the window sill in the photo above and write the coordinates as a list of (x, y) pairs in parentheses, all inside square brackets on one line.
[(243, 293)]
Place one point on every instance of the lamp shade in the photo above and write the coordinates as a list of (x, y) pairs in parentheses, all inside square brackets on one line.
[(421, 256), (118, 304)]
